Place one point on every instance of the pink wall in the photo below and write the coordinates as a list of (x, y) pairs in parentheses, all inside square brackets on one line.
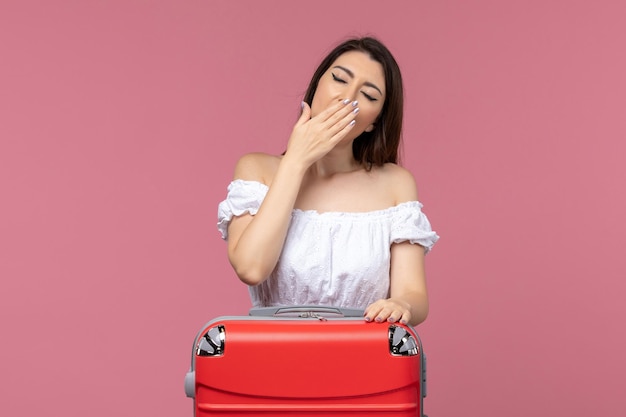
[(120, 123)]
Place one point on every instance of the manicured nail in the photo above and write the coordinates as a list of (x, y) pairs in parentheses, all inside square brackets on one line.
[(354, 103), (302, 105), (368, 319), (346, 101), (352, 123), (355, 111), (378, 319)]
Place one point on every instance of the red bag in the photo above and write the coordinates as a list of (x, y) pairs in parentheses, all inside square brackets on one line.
[(315, 361)]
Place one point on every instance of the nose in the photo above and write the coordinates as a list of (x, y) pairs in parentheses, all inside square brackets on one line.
[(351, 93), (347, 92)]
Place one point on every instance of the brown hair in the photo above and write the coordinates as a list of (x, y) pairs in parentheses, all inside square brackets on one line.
[(381, 145)]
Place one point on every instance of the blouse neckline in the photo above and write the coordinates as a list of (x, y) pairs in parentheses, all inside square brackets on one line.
[(353, 214)]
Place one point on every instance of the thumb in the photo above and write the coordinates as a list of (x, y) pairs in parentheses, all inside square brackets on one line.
[(305, 115)]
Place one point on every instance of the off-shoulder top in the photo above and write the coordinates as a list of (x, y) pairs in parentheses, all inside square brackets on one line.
[(337, 259)]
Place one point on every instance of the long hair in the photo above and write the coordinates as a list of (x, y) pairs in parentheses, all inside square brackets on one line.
[(381, 145)]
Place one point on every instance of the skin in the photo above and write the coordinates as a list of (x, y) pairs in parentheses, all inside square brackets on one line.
[(318, 172)]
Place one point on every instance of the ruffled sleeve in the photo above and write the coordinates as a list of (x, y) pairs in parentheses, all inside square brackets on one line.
[(243, 197), (409, 223)]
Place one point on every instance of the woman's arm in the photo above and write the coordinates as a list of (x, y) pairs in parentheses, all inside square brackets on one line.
[(408, 295), (255, 242)]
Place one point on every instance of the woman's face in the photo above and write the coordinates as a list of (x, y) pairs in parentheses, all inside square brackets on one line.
[(355, 76)]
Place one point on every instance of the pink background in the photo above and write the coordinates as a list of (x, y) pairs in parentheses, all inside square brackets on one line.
[(121, 121)]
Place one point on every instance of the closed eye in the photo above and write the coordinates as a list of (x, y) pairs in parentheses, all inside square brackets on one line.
[(338, 79), (367, 96)]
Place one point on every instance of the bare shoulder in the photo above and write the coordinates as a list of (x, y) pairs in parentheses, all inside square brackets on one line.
[(400, 181), (257, 166)]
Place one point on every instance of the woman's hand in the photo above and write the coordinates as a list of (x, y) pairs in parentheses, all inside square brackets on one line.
[(313, 137), (390, 309)]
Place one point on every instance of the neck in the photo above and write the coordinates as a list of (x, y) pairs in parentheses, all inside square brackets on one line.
[(337, 161)]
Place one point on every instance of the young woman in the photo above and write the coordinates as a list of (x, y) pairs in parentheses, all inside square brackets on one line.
[(334, 220)]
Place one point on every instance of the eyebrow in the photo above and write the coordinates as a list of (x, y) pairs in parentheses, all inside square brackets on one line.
[(351, 74)]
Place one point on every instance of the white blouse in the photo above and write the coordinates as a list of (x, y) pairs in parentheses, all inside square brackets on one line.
[(333, 258)]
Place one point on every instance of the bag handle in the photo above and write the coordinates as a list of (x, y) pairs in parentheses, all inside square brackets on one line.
[(306, 311)]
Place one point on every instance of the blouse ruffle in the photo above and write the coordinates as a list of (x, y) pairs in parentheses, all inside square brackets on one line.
[(243, 197), (408, 222)]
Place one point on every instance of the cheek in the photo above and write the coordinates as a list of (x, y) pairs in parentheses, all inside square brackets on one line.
[(322, 100), (368, 115), (319, 102), (316, 107)]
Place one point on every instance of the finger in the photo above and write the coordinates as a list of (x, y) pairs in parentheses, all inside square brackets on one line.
[(406, 317), (347, 112), (343, 120), (397, 315), (371, 312), (400, 315), (383, 315), (305, 115), (340, 130), (329, 115)]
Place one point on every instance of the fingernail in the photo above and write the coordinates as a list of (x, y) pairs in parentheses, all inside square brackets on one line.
[(355, 111), (302, 105), (354, 103), (346, 101), (368, 319), (378, 319), (352, 123)]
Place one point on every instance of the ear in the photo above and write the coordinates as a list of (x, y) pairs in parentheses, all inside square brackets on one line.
[(370, 128)]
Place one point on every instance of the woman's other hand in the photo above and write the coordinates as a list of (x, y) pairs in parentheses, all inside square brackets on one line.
[(391, 309)]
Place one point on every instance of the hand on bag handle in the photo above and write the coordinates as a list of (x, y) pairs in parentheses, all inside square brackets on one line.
[(306, 311)]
